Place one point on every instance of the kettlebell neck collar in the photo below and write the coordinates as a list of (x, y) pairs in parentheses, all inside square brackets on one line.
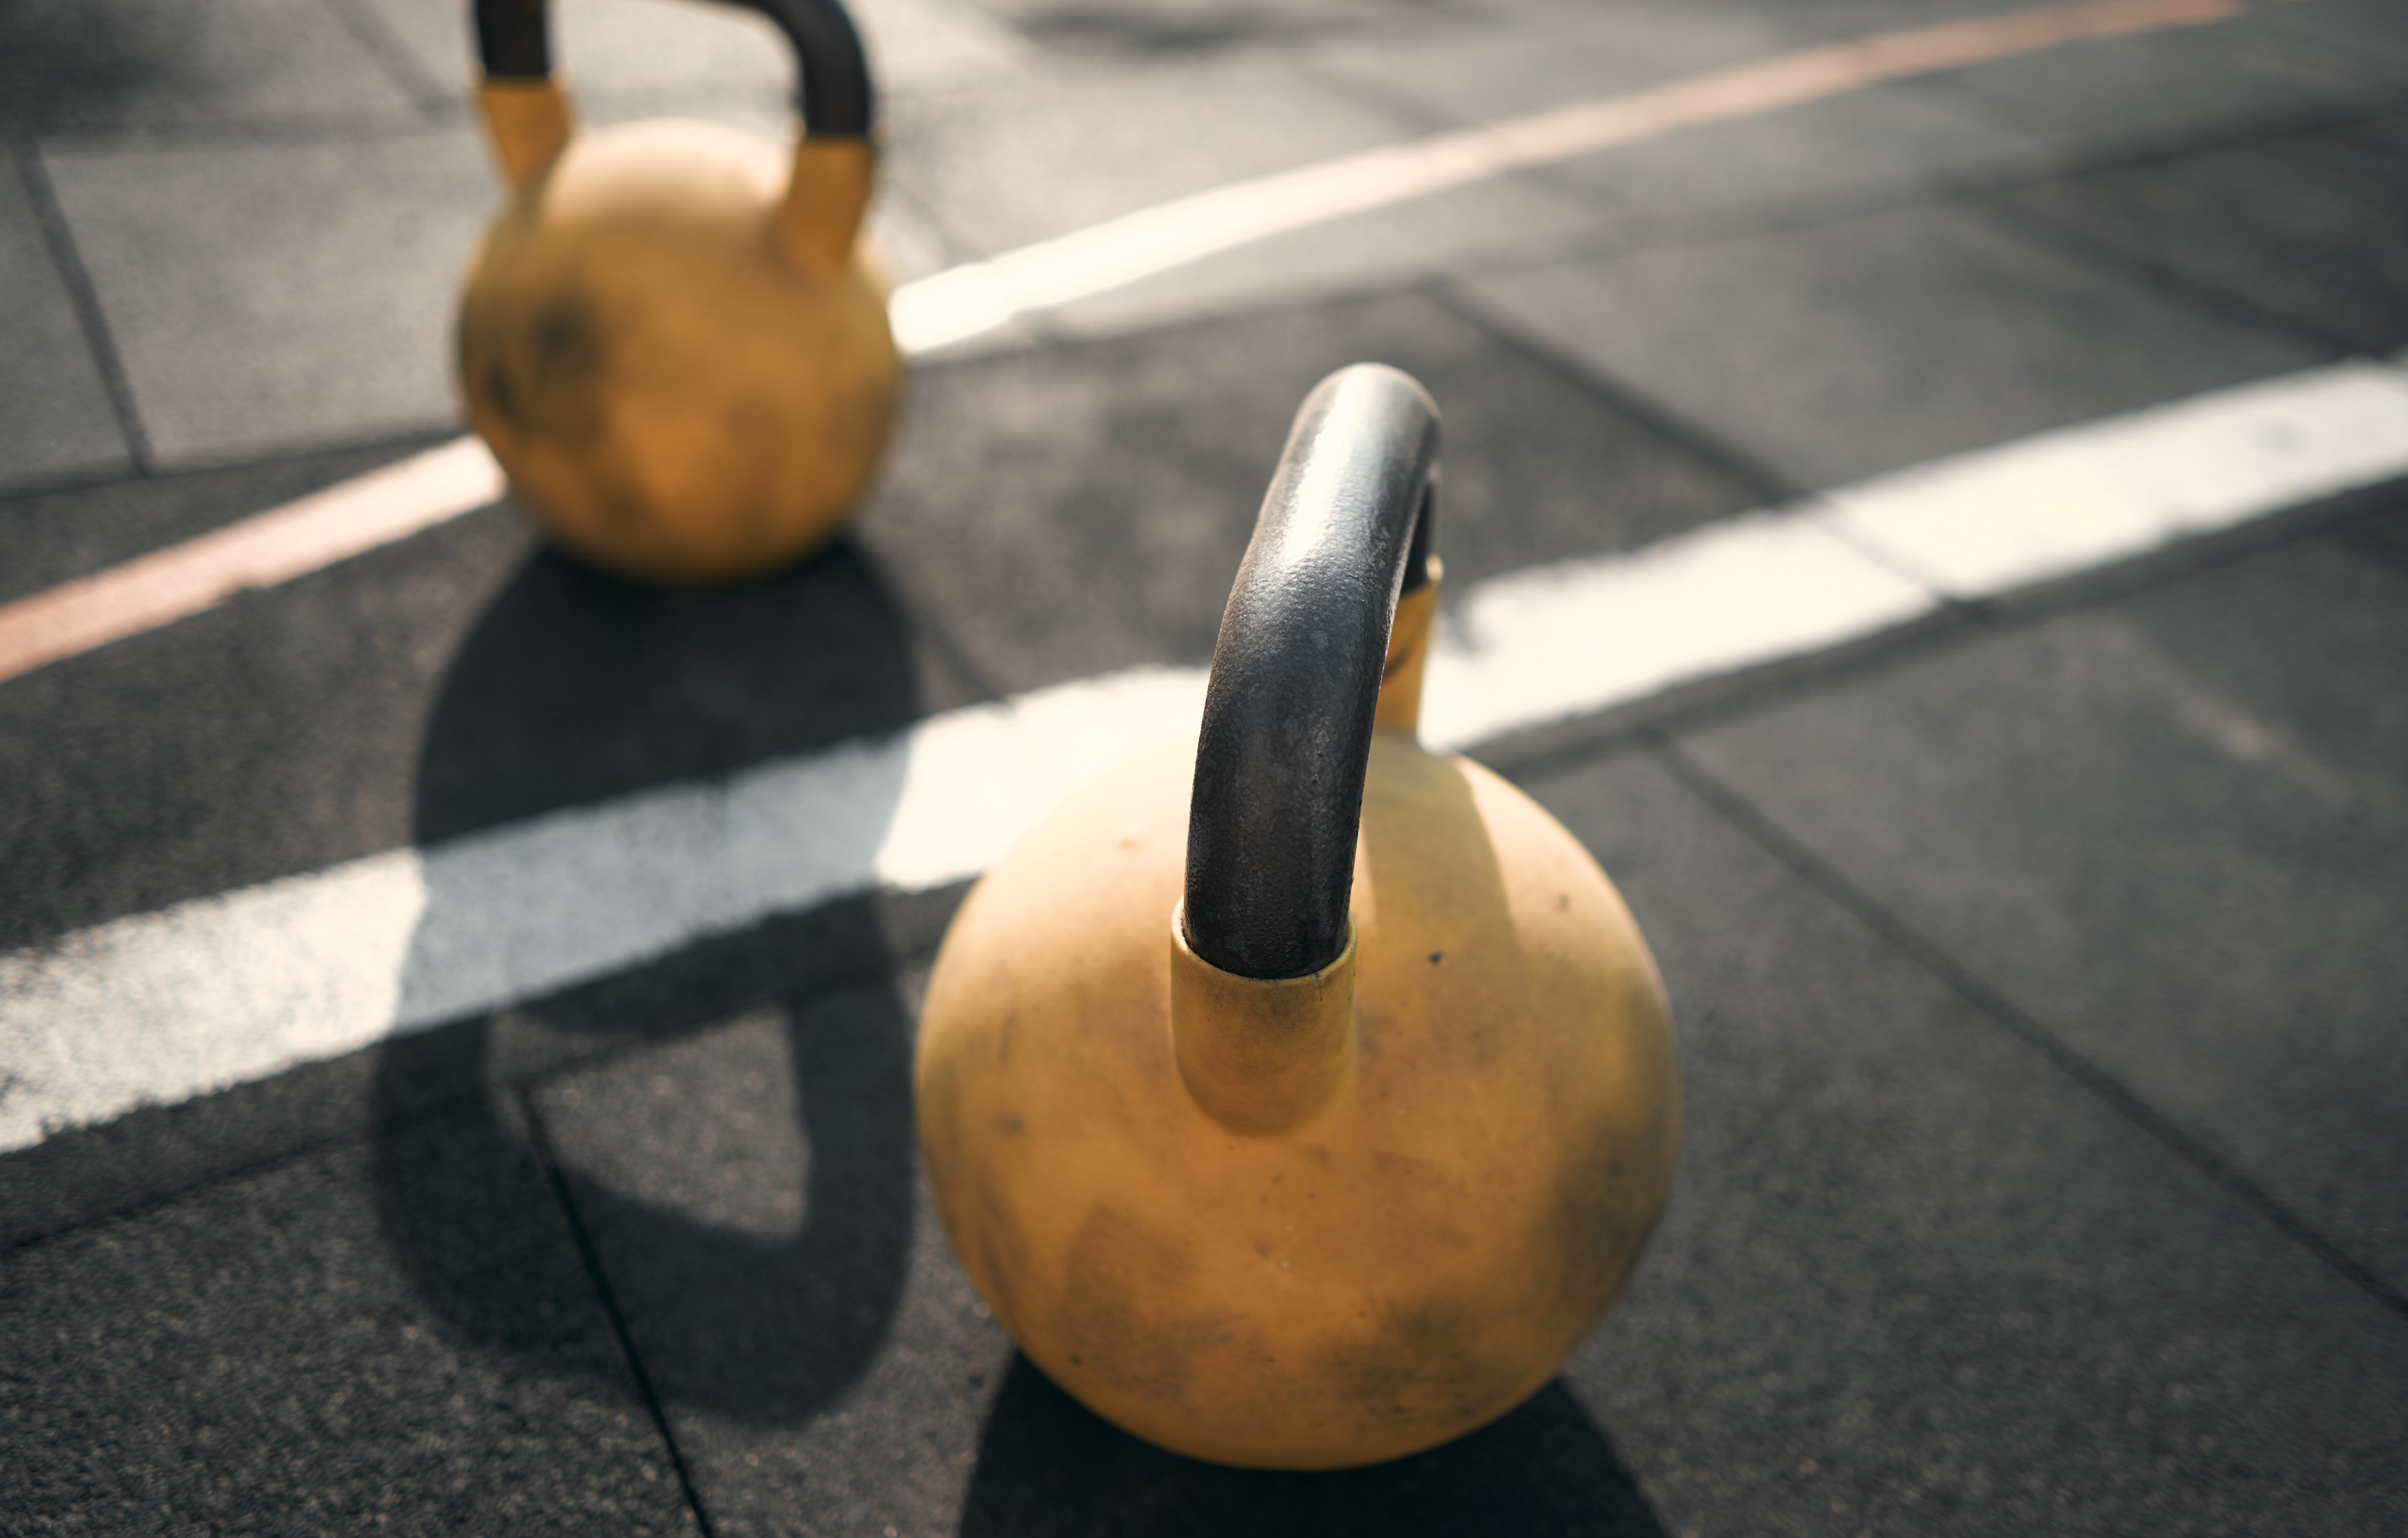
[(528, 122), (1261, 1057), (827, 193)]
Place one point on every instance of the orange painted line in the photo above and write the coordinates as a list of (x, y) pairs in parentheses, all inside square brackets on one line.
[(262, 550), (982, 295), (1834, 69), (344, 521)]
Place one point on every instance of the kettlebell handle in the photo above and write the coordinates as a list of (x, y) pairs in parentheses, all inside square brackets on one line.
[(1288, 716), (514, 43)]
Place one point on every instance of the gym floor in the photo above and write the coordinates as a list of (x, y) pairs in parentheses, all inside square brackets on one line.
[(2037, 959)]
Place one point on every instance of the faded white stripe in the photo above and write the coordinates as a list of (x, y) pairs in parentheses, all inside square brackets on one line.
[(160, 1007), (2065, 501), (1566, 639)]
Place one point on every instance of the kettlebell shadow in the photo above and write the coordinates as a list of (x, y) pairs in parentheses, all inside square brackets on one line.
[(578, 694), (1049, 1466)]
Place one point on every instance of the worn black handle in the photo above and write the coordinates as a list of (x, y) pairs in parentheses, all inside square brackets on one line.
[(1296, 675), (514, 43)]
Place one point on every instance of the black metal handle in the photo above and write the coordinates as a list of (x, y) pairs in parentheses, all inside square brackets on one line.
[(1296, 675), (514, 43)]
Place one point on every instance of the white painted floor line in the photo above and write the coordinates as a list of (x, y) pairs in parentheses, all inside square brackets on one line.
[(966, 301), (160, 1007), (2064, 501), (1852, 561)]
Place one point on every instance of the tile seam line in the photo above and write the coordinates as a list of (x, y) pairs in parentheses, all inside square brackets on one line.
[(437, 1107), (1778, 216), (1767, 485), (1995, 1006), (92, 321), (1935, 632), (400, 442), (1549, 180), (539, 1137), (2203, 298), (1960, 622), (390, 57), (2247, 130), (77, 141), (298, 1151), (948, 651), (1898, 563), (1420, 119)]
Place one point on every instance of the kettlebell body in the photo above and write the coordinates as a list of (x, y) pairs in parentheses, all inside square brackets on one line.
[(1333, 1216), (671, 337)]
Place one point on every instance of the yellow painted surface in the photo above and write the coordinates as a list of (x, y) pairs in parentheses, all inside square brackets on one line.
[(1408, 644), (677, 349), (1416, 1252), (1261, 1057), (527, 122)]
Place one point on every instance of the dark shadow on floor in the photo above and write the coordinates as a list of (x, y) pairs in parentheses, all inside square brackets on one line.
[(102, 62), (768, 1330), (1048, 1466), (575, 688)]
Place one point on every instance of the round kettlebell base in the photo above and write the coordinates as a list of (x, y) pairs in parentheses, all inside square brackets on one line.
[(673, 395), (1395, 1271)]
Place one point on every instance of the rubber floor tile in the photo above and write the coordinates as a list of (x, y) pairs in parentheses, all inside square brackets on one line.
[(55, 416), (268, 296), (1915, 1278), (464, 678), (256, 1357), (1019, 159), (1126, 472), (1868, 146), (2106, 93), (1486, 65), (2310, 228), (56, 536), (2171, 834), (1837, 351), (754, 1195), (97, 66)]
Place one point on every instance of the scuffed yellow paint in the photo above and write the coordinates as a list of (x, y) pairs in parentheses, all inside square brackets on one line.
[(673, 340), (1411, 1183)]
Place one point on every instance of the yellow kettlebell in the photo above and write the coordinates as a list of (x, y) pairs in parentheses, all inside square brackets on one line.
[(1296, 1098), (671, 337)]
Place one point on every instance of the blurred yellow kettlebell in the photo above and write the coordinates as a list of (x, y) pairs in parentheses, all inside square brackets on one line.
[(671, 338), (1299, 1098)]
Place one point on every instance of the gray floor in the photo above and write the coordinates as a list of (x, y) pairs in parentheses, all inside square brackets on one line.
[(2037, 970)]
